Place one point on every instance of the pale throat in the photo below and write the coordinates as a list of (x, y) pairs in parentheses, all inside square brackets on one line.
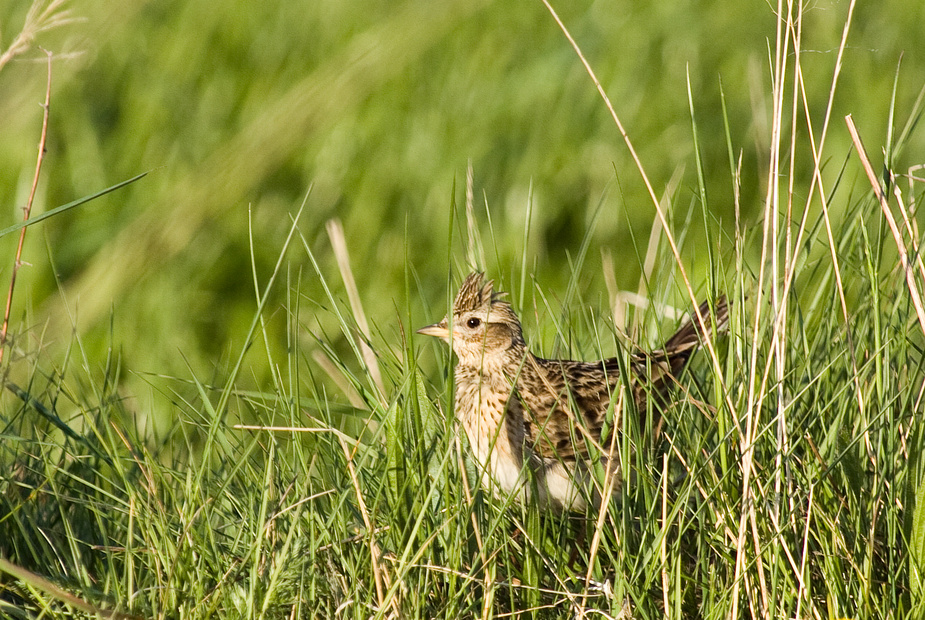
[(479, 357)]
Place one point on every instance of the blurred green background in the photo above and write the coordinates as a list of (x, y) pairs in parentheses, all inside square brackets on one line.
[(238, 108)]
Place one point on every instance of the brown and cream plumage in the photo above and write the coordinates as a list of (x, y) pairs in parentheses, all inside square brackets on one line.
[(531, 421)]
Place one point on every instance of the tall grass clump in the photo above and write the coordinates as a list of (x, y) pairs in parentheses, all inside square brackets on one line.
[(785, 480)]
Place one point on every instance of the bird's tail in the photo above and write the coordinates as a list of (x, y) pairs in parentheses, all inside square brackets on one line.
[(690, 335), (661, 367)]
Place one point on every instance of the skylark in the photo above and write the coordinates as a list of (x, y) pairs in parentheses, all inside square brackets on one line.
[(531, 422)]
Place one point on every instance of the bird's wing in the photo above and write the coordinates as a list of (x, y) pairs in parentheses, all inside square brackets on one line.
[(564, 405)]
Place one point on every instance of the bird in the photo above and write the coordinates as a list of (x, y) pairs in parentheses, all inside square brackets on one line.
[(536, 426)]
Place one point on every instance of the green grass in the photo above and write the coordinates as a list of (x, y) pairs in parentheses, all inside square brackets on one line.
[(247, 432), (364, 511)]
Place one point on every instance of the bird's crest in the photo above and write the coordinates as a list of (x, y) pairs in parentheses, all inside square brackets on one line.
[(473, 295)]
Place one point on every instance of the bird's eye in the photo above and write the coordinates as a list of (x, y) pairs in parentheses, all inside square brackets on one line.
[(473, 323)]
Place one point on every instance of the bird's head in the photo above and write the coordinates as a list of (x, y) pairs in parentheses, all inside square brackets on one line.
[(484, 328)]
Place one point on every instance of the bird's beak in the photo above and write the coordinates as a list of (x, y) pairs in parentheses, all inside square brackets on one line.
[(438, 330)]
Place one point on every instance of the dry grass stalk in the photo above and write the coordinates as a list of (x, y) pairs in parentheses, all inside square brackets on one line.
[(27, 210), (891, 221), (339, 244), (40, 18)]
